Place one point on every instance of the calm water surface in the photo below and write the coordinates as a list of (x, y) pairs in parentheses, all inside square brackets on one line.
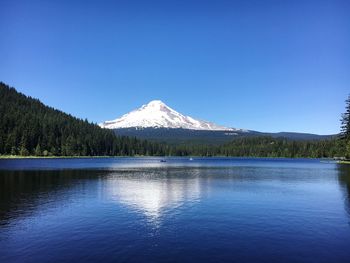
[(144, 210)]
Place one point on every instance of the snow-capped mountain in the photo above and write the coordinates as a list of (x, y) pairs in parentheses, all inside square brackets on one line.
[(156, 114)]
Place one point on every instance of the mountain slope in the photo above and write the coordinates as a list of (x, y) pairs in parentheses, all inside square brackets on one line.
[(157, 122), (156, 114), (186, 136), (28, 127)]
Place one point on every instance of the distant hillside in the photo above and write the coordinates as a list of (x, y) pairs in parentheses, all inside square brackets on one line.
[(28, 127), (264, 146), (185, 136)]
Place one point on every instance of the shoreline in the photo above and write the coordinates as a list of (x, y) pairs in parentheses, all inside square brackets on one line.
[(8, 157), (344, 162), (59, 157)]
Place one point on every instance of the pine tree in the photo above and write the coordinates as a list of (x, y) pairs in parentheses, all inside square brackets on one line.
[(345, 128), (13, 150), (345, 121), (23, 146), (37, 151)]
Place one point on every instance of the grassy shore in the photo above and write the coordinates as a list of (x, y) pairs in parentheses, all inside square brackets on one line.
[(344, 162)]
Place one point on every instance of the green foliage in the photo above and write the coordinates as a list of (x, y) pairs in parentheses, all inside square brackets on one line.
[(345, 128), (28, 127), (280, 147), (265, 147), (37, 150), (345, 121)]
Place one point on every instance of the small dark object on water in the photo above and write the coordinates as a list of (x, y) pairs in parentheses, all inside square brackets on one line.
[(163, 161)]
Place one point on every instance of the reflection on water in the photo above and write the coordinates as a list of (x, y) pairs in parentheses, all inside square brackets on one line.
[(153, 193), (344, 179), (149, 191), (232, 211), (23, 192)]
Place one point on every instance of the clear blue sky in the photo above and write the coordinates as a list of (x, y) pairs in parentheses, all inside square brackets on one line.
[(261, 65)]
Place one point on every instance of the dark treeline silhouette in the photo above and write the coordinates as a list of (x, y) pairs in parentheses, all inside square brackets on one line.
[(28, 127), (266, 147)]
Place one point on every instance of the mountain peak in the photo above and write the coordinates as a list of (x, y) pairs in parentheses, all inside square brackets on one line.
[(156, 103), (157, 114)]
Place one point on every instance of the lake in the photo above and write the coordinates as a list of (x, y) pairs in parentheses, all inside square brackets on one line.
[(181, 210)]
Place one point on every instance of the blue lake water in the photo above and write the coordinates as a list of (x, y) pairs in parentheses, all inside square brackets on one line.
[(204, 210)]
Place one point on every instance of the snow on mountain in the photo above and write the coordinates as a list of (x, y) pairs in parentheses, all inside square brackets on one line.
[(158, 115)]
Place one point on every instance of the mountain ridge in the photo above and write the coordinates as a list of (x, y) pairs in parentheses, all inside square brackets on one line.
[(156, 114), (186, 136), (158, 122)]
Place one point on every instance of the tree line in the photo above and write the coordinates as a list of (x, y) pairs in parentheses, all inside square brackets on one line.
[(266, 146), (28, 127)]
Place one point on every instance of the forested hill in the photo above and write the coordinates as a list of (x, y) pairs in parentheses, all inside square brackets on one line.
[(28, 127)]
